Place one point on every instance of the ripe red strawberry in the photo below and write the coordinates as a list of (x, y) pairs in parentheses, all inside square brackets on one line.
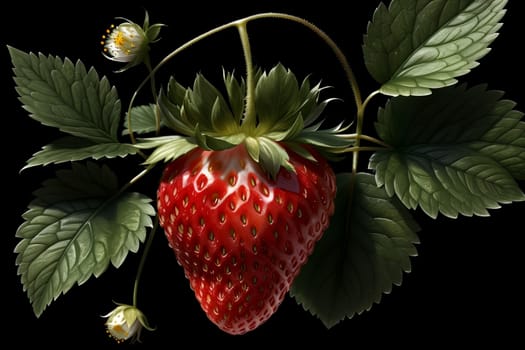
[(248, 190), (240, 236)]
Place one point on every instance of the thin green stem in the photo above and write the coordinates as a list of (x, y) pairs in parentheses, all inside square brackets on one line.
[(139, 176), (249, 119), (130, 183), (357, 145), (153, 86), (130, 127), (364, 148), (142, 262), (151, 78), (369, 98), (359, 130), (367, 138), (150, 238)]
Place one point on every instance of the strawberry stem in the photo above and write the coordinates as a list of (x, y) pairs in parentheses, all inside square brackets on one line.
[(357, 149), (142, 262), (368, 138), (147, 62), (249, 119), (358, 131)]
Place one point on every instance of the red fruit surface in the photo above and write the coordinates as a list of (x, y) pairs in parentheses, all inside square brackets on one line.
[(240, 236)]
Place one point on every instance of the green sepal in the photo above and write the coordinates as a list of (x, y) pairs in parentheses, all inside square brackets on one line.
[(236, 94), (203, 115), (166, 148), (208, 142)]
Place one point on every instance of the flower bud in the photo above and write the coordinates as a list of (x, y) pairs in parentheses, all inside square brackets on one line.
[(126, 322)]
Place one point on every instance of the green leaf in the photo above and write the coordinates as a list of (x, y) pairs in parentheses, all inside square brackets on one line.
[(71, 148), (74, 228), (414, 46), (365, 251), (64, 95), (455, 151), (445, 179), (474, 118), (143, 120), (450, 115), (505, 141)]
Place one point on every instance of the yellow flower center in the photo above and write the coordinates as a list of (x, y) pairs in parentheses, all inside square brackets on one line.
[(119, 39)]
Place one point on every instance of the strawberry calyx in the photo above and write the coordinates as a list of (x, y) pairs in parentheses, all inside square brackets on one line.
[(287, 113)]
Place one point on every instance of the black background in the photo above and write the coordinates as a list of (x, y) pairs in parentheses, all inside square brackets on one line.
[(465, 285)]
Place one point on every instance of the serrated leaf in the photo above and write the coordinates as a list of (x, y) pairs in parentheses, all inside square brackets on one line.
[(74, 228), (71, 148), (412, 47), (143, 120), (450, 180), (450, 115), (505, 141), (455, 151), (364, 252), (62, 94)]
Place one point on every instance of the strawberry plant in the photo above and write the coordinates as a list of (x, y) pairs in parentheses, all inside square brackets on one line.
[(248, 194)]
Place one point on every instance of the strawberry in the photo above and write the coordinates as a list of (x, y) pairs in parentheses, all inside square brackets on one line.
[(241, 236), (247, 191)]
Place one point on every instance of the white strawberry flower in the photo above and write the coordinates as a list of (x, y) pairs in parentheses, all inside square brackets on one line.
[(128, 42), (124, 42), (126, 322)]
